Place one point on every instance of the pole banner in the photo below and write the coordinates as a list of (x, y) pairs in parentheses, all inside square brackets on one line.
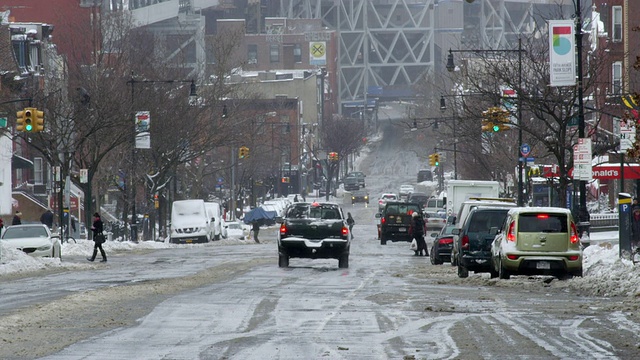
[(562, 53), (143, 128)]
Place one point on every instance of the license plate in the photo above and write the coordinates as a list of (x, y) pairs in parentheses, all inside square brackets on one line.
[(189, 241), (402, 229), (543, 265)]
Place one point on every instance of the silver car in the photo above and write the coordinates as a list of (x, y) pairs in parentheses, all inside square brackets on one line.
[(33, 239)]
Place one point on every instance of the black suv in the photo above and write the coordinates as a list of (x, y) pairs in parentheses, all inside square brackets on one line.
[(472, 242), (395, 221)]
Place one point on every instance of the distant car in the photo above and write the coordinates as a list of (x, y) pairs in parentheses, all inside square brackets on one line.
[(360, 196), (236, 230), (358, 175), (33, 239), (442, 244), (350, 184), (424, 175), (384, 198), (405, 190), (537, 241), (418, 197)]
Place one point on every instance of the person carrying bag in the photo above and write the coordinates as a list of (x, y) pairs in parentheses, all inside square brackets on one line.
[(98, 238)]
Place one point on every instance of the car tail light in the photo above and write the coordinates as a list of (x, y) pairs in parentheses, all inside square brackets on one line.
[(511, 234), (543, 216), (465, 242), (345, 231), (574, 257), (380, 202), (283, 230), (512, 257), (445, 241), (574, 234), (383, 220)]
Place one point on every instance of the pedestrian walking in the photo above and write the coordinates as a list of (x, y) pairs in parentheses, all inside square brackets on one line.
[(256, 229), (47, 218), (350, 222), (98, 238), (17, 220), (417, 231)]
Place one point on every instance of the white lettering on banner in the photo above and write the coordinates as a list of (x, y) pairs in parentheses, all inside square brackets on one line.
[(606, 173)]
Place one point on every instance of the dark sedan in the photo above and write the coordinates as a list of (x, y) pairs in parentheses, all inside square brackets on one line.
[(442, 245), (360, 196)]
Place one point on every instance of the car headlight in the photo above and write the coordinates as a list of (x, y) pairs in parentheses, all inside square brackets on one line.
[(366, 198)]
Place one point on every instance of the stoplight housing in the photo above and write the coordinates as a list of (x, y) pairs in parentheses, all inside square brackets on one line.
[(432, 161), (487, 126), (243, 152), (20, 121), (436, 159), (39, 116)]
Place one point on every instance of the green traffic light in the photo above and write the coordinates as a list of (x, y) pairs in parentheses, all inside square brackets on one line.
[(496, 128)]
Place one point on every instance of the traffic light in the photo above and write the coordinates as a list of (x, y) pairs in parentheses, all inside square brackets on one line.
[(432, 160), (436, 159), (243, 152), (39, 126), (333, 156), (495, 119), (285, 180)]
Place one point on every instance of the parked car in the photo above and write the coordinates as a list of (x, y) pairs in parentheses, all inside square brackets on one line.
[(537, 241), (236, 230), (33, 239), (358, 175), (442, 245), (384, 198), (472, 247), (189, 222), (395, 221), (360, 196), (474, 202), (405, 190), (350, 184)]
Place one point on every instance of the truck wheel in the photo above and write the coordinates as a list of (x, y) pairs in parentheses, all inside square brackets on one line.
[(383, 241), (343, 261), (283, 260), (435, 259), (463, 272)]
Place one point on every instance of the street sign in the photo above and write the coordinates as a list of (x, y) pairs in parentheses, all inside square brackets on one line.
[(582, 160), (3, 122), (525, 150), (627, 135)]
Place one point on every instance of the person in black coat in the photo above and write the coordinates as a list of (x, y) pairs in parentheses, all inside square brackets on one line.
[(16, 218), (47, 218), (417, 231), (97, 229)]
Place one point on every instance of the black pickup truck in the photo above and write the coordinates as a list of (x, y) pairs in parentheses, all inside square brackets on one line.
[(315, 230)]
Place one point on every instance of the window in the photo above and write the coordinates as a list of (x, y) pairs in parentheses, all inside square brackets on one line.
[(38, 171), (616, 78), (252, 54), (297, 53), (616, 23), (274, 53)]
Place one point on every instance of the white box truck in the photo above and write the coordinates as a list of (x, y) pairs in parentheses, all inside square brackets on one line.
[(459, 191)]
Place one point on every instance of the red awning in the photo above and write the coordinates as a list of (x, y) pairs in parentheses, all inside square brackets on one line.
[(612, 171)]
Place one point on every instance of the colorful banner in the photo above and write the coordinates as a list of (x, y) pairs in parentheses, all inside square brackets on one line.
[(562, 53), (143, 128)]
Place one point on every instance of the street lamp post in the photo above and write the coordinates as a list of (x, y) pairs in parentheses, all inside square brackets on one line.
[(451, 67), (192, 100)]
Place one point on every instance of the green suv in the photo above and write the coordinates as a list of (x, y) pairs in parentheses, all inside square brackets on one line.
[(537, 241)]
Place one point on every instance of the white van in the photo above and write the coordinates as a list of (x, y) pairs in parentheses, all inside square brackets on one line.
[(214, 213), (189, 222)]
